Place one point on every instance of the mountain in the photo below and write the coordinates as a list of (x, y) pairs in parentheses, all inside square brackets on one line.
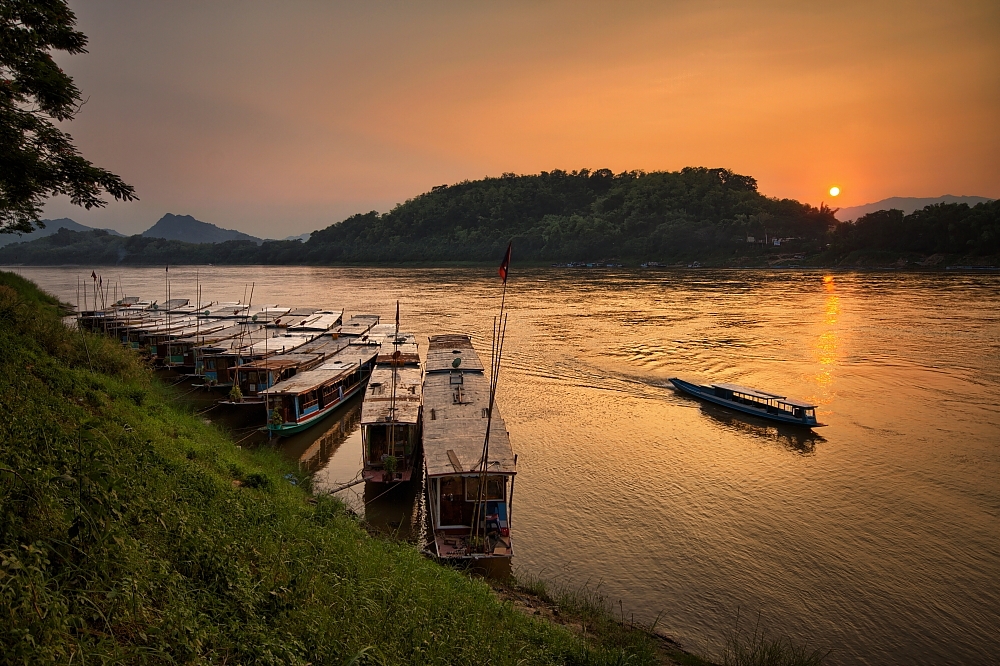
[(189, 230), (905, 204), (51, 227), (301, 237)]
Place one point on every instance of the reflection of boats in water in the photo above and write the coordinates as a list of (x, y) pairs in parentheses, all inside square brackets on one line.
[(752, 401), (390, 417), (312, 452), (390, 508), (795, 438), (465, 522)]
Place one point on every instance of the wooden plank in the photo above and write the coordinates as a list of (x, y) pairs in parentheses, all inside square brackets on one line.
[(455, 462)]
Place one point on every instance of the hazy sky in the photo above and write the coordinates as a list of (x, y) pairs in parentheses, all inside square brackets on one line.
[(278, 118)]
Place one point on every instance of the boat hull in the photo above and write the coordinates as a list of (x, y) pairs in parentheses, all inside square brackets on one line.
[(706, 394)]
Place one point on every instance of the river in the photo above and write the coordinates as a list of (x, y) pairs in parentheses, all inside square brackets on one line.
[(877, 536)]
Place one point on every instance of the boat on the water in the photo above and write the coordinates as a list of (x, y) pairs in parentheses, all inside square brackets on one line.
[(390, 415), (307, 397), (456, 414), (753, 401)]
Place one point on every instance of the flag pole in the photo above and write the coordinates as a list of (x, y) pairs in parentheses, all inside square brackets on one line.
[(499, 334)]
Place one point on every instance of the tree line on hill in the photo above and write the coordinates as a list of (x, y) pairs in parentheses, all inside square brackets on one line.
[(559, 216)]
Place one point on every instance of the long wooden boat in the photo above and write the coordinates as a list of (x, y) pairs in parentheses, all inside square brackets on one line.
[(305, 399), (752, 401), (186, 353), (255, 377), (390, 414), (456, 410), (221, 361)]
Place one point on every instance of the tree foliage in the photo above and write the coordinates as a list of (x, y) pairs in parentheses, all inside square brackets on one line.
[(572, 216), (37, 159), (936, 229)]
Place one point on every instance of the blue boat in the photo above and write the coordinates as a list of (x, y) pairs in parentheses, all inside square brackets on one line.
[(751, 401)]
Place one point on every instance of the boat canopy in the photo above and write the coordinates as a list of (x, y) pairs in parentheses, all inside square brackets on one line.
[(358, 325), (445, 349), (379, 406), (764, 396), (341, 365), (456, 405)]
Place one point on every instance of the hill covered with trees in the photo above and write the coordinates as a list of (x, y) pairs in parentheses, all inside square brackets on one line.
[(713, 216)]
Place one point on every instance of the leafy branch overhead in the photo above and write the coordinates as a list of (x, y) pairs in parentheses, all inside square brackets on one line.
[(37, 159)]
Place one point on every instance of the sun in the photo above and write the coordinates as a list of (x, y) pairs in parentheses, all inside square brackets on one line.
[(834, 191)]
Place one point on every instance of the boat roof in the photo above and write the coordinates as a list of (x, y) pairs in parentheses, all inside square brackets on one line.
[(444, 349), (320, 321), (190, 328), (358, 324), (454, 431), (214, 336), (763, 395), (274, 344), (339, 365), (379, 406), (282, 361), (404, 343), (227, 310), (323, 343)]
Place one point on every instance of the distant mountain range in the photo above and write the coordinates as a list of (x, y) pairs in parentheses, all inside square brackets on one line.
[(905, 204), (51, 227), (186, 228)]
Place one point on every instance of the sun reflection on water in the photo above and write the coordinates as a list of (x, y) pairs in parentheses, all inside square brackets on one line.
[(827, 342)]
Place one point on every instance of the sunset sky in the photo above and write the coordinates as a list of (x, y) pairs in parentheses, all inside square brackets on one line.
[(280, 118)]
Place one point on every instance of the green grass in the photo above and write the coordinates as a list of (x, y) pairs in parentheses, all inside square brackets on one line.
[(132, 531)]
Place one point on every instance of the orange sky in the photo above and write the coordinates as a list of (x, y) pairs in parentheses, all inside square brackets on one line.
[(279, 118)]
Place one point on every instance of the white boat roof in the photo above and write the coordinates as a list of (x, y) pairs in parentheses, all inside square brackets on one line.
[(379, 406), (444, 349), (228, 310), (274, 344), (193, 328), (211, 337), (320, 321), (763, 395), (339, 365), (358, 325), (454, 431)]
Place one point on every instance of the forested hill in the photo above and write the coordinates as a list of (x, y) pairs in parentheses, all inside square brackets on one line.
[(713, 216), (562, 216)]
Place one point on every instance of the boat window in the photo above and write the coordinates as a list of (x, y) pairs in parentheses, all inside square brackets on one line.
[(494, 488)]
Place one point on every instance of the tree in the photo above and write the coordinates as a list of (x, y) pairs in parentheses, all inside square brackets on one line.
[(38, 160)]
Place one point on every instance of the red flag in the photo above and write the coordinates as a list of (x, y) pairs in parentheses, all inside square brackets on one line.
[(505, 264), (93, 274)]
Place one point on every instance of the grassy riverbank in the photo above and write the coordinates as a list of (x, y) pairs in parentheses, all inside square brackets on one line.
[(131, 530)]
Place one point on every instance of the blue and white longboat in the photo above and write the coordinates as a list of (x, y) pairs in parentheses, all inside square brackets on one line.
[(306, 398), (752, 401)]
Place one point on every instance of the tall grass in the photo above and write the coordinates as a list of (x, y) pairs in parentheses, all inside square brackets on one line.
[(132, 531), (757, 648)]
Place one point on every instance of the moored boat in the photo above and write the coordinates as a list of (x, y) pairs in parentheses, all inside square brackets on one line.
[(305, 399), (456, 413), (753, 401), (390, 415)]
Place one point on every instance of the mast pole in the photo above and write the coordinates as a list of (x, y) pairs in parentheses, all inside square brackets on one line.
[(499, 334)]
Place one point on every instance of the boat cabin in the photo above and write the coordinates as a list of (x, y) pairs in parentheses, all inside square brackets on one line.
[(777, 405)]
